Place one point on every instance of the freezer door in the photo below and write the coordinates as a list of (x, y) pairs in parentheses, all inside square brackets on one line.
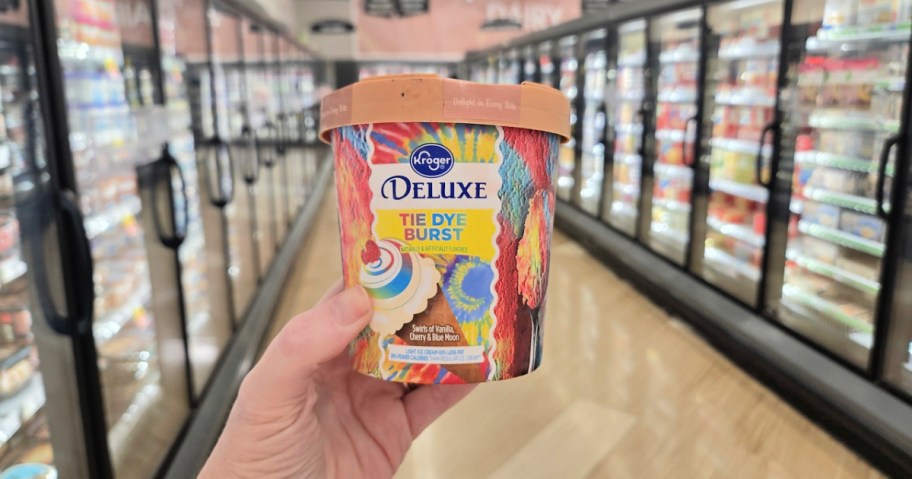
[(742, 63), (232, 101), (112, 76), (593, 141), (668, 181), (897, 363), (841, 128), (40, 397), (173, 191), (627, 94), (569, 68), (279, 170), (260, 88)]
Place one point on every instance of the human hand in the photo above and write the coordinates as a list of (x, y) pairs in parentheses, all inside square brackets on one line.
[(303, 412)]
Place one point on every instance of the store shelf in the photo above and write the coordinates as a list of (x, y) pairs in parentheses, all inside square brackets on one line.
[(857, 203), (671, 205), (839, 120), (728, 264), (674, 136), (108, 326), (677, 96), (791, 293), (836, 274), (626, 188), (742, 98), (841, 238), (739, 232), (767, 49), (631, 96), (672, 57), (830, 160), (12, 271), (627, 159), (632, 61), (629, 128), (673, 171), (740, 146), (742, 190), (828, 38), (22, 407), (113, 217)]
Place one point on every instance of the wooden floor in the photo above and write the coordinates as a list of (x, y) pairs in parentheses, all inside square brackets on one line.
[(625, 391)]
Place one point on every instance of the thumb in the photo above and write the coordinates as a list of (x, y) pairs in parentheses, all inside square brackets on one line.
[(283, 375)]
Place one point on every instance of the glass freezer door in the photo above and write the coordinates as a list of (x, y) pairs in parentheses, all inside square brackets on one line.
[(259, 92), (566, 163), (112, 110), (627, 90), (677, 37), (592, 163), (204, 284), (897, 365), (740, 99), (280, 169), (841, 130), (31, 427), (546, 64)]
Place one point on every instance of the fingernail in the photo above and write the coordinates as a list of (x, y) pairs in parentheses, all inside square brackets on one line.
[(350, 305)]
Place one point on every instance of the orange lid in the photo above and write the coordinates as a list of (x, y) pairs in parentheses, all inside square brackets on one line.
[(429, 98)]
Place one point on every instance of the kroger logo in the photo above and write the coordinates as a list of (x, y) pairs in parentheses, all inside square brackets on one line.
[(431, 160)]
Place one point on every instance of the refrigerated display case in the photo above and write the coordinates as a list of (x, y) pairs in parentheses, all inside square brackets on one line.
[(28, 419), (198, 269), (529, 65), (841, 129), (769, 139), (740, 103), (897, 357), (373, 68), (546, 67), (113, 129), (566, 163), (595, 119), (671, 149), (260, 86), (628, 92)]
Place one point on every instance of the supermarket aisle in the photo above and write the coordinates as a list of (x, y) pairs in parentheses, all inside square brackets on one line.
[(624, 391)]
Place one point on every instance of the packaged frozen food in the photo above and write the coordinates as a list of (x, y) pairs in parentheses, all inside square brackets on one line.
[(821, 214), (862, 224), (450, 205)]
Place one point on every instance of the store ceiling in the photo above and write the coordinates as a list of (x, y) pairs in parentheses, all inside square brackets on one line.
[(445, 32)]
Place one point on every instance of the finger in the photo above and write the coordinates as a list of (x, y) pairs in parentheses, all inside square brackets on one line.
[(335, 289), (427, 403), (282, 376)]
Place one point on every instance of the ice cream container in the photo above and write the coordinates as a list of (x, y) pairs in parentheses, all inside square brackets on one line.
[(446, 207)]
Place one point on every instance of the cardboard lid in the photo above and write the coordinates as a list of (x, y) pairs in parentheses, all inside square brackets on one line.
[(430, 98)]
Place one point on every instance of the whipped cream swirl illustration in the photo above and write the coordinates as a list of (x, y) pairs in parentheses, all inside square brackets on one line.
[(400, 284)]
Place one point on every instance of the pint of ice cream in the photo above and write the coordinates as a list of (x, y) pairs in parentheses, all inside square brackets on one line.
[(446, 207)]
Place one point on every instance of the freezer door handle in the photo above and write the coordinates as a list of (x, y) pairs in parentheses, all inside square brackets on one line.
[(759, 164), (265, 153), (282, 119), (691, 163), (251, 163), (882, 176), (222, 192), (164, 168), (72, 231)]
